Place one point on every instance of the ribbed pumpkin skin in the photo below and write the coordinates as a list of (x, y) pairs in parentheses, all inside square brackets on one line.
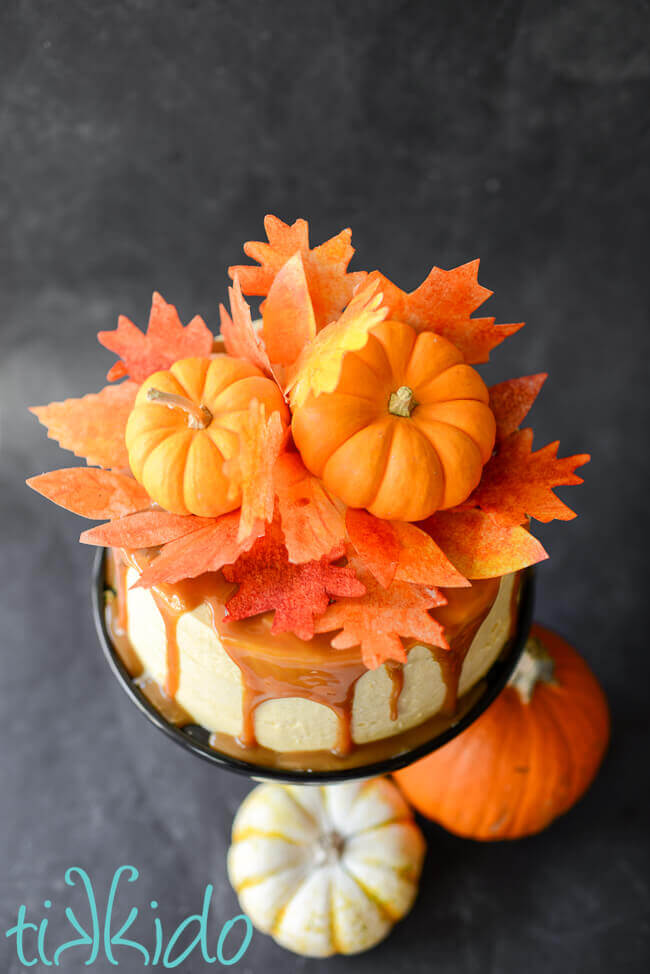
[(182, 469), (399, 467), (520, 765)]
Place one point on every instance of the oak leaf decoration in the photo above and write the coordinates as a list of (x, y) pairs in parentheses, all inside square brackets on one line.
[(518, 484), (511, 401), (312, 524), (165, 342), (92, 492), (269, 582), (376, 621), (330, 284), (92, 426), (444, 303), (483, 545)]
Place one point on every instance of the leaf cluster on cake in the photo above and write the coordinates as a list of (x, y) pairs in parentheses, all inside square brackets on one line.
[(340, 461)]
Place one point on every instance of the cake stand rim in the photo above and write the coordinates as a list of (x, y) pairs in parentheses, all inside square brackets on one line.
[(495, 679)]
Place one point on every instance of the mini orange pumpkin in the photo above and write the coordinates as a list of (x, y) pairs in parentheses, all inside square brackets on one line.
[(527, 759), (407, 430), (184, 427)]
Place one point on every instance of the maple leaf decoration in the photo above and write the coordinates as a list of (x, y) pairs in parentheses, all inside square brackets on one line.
[(312, 524), (92, 493), (268, 581), (165, 342), (378, 619), (517, 483), (238, 331), (512, 400), (483, 545), (330, 285), (147, 529), (260, 444), (318, 368), (93, 426), (443, 303)]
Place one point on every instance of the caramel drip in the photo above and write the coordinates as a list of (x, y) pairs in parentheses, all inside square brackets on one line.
[(282, 665), (396, 674)]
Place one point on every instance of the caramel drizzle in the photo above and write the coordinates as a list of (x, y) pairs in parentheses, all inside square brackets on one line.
[(281, 666)]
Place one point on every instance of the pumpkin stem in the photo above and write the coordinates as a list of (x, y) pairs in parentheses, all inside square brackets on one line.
[(198, 417), (402, 402), (535, 666)]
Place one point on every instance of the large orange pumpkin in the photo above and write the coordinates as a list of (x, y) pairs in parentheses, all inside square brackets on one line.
[(406, 431), (185, 425), (527, 759)]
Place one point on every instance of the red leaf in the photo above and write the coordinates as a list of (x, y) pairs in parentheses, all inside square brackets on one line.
[(145, 530), (483, 545), (92, 493), (375, 542), (165, 341), (330, 285), (511, 401), (207, 549), (517, 484), (443, 304), (422, 561), (239, 334), (93, 426), (311, 523), (296, 593), (288, 322), (376, 620)]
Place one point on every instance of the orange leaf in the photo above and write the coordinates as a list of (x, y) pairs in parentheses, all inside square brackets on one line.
[(422, 561), (375, 542), (319, 367), (260, 444), (376, 620), (268, 581), (443, 304), (165, 341), (288, 321), (92, 493), (517, 483), (511, 401), (93, 426), (311, 523), (207, 549), (483, 545), (145, 530), (330, 285), (239, 334)]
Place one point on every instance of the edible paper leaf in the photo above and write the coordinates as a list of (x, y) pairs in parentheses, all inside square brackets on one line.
[(165, 341), (376, 621), (375, 542), (483, 545), (422, 561), (145, 530), (207, 549), (239, 334), (319, 367), (511, 401), (330, 285), (93, 426), (288, 322), (92, 493), (517, 484), (311, 522), (268, 581), (260, 443), (443, 303)]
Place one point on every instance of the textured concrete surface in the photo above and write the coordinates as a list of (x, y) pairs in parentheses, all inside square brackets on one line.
[(142, 142)]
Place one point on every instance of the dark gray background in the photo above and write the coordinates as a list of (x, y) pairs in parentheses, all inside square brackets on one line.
[(142, 142)]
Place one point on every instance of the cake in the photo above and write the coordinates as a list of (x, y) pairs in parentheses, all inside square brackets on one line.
[(317, 523)]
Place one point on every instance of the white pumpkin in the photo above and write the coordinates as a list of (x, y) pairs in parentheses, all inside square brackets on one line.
[(326, 870)]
